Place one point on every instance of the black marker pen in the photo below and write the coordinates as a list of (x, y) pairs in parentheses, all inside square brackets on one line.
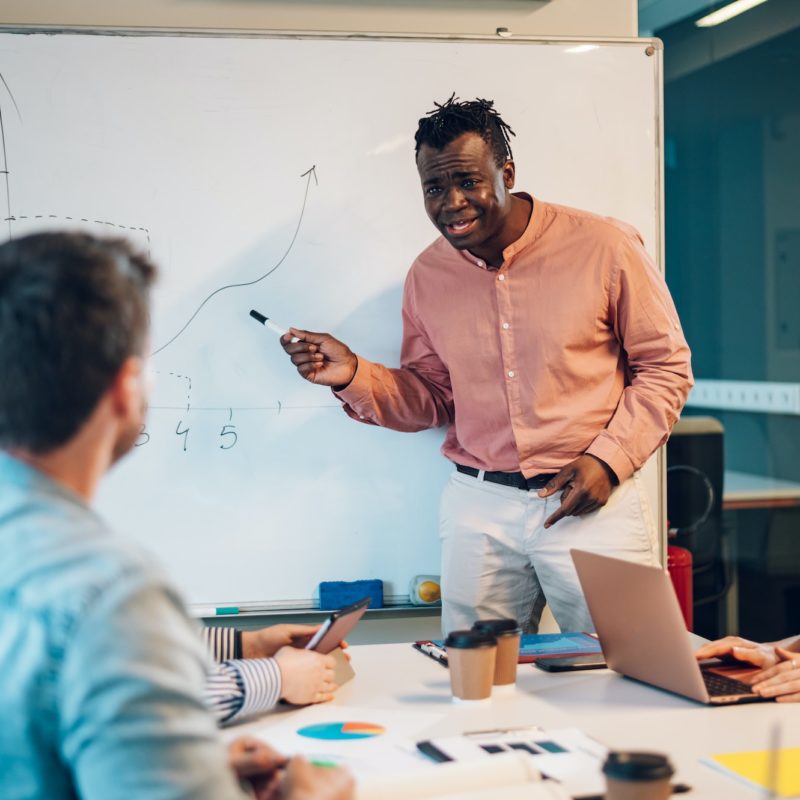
[(268, 323)]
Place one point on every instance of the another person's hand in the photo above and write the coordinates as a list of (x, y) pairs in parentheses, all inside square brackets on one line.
[(304, 781), (320, 358), (264, 643), (781, 681), (586, 484), (759, 655), (257, 764), (306, 676)]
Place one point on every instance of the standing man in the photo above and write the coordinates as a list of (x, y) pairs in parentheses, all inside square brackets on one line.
[(546, 342)]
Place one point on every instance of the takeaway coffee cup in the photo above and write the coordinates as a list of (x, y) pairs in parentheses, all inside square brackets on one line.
[(471, 656), (637, 776), (508, 633)]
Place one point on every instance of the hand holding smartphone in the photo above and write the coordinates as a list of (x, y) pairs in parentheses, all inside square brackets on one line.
[(337, 626)]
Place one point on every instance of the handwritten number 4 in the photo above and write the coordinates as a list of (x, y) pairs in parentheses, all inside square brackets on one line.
[(184, 433)]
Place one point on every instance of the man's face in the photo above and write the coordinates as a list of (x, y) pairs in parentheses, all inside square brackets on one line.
[(467, 196)]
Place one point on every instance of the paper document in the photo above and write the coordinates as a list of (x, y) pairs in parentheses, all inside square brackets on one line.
[(567, 755), (367, 741)]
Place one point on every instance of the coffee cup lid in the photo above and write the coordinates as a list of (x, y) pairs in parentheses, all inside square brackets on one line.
[(469, 639), (499, 627), (637, 766)]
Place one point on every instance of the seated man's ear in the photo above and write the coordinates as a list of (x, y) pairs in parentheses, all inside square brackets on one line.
[(129, 390)]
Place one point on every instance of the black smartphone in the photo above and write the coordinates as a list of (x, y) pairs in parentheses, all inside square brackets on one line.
[(337, 626), (570, 663)]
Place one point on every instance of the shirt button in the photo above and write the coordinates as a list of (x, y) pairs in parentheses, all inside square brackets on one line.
[(505, 326), (501, 277), (511, 373)]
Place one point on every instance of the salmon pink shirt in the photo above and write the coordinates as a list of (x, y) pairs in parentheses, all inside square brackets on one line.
[(572, 346)]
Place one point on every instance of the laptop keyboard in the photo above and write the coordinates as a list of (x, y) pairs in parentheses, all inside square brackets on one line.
[(719, 685)]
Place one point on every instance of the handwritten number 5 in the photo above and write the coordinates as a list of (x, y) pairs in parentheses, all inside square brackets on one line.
[(228, 430)]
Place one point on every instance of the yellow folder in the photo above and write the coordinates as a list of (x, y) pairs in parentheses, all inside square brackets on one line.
[(756, 767)]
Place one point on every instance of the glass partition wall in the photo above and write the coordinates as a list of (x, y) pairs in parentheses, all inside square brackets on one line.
[(732, 205)]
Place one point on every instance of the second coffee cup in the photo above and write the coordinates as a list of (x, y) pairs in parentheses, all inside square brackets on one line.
[(637, 776), (471, 657), (508, 634)]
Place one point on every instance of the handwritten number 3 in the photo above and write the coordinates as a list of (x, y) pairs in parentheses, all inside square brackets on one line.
[(144, 437)]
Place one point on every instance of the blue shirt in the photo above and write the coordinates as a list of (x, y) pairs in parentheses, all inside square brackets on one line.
[(103, 672)]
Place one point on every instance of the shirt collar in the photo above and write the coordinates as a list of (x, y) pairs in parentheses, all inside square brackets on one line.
[(528, 235)]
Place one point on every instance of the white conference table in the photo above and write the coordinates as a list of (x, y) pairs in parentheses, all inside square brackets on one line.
[(618, 712)]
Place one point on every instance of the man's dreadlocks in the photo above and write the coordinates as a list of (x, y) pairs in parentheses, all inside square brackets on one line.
[(452, 118)]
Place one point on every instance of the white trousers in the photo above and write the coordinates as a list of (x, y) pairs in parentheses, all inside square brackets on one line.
[(499, 561)]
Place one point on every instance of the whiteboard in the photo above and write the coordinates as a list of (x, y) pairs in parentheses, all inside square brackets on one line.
[(285, 165)]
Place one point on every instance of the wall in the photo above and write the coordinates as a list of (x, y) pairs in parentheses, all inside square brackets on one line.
[(529, 17)]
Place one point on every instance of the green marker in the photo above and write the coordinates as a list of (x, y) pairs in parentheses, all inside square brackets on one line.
[(214, 611)]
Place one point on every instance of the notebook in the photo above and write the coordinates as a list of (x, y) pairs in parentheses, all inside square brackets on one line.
[(643, 634)]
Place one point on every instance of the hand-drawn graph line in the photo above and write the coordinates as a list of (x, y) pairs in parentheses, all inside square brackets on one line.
[(309, 173), (188, 386), (145, 231), (6, 172), (5, 169)]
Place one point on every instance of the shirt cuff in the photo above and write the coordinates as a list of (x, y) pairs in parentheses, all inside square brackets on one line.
[(359, 390), (222, 643), (261, 684), (604, 448)]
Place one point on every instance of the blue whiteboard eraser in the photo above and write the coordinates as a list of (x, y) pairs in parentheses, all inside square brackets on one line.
[(338, 594)]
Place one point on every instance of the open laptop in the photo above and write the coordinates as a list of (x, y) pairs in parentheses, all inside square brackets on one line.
[(643, 635)]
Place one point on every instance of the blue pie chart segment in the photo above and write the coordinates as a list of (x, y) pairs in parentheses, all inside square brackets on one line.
[(341, 730)]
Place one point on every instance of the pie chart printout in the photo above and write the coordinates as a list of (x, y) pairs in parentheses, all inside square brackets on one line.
[(341, 730)]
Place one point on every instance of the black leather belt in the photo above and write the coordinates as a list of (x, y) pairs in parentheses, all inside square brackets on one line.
[(515, 479)]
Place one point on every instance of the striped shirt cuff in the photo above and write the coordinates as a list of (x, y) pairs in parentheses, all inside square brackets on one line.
[(241, 688), (224, 693), (223, 644), (261, 685)]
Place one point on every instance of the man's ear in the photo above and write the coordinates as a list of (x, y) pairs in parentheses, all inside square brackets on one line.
[(126, 391), (509, 174)]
